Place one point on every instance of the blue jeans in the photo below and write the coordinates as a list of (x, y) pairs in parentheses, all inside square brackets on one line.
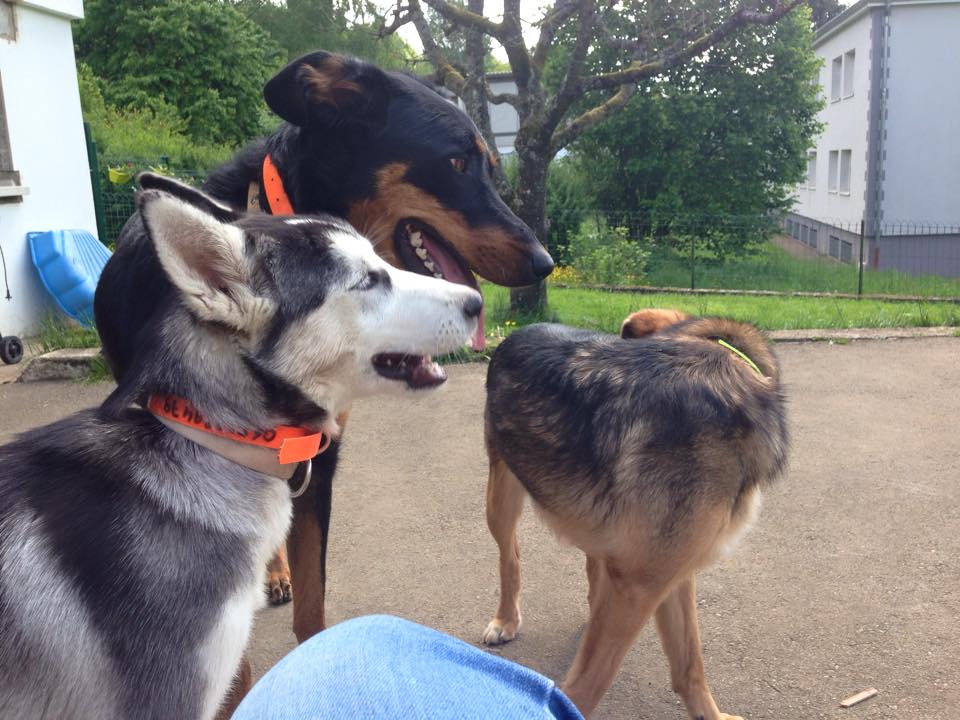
[(385, 667)]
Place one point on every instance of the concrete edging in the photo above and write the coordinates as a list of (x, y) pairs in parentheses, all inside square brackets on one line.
[(66, 364), (75, 364)]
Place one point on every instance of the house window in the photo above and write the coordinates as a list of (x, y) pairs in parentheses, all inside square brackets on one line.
[(834, 246), (813, 237), (804, 234), (8, 21), (836, 78), (789, 226), (845, 156), (10, 189), (849, 59), (832, 171), (796, 231), (812, 170), (846, 251)]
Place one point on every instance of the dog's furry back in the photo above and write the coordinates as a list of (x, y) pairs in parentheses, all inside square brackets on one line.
[(594, 424)]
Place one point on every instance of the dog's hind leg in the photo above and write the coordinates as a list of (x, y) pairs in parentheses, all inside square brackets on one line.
[(680, 636), (621, 604), (505, 497)]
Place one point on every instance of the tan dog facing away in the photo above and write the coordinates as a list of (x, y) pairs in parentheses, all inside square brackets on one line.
[(648, 452)]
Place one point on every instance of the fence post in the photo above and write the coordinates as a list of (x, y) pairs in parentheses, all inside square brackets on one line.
[(860, 264), (692, 262), (94, 164)]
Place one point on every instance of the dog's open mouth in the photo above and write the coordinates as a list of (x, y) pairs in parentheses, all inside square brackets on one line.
[(422, 250), (418, 371)]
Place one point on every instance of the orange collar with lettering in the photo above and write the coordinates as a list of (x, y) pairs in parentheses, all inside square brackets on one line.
[(277, 198), (294, 444)]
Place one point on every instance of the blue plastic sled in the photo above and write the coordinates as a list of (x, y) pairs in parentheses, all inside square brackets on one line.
[(69, 263)]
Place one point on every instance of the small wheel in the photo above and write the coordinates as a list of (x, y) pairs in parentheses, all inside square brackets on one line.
[(11, 350)]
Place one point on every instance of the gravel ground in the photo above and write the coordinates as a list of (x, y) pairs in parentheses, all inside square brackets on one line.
[(849, 580)]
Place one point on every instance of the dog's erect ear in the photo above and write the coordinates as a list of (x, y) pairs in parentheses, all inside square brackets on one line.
[(647, 322), (152, 181), (330, 90), (204, 258)]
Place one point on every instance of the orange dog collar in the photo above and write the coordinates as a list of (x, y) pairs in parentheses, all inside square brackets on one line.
[(293, 444), (277, 197)]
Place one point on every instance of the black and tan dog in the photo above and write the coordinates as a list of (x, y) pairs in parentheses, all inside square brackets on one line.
[(407, 168), (649, 452)]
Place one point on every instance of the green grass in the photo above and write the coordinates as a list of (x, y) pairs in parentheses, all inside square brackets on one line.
[(773, 268), (605, 311), (57, 332)]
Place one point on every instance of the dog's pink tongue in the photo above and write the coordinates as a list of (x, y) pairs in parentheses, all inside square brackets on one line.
[(479, 340), (452, 272)]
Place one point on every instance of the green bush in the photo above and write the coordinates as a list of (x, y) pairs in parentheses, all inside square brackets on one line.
[(607, 255), (142, 135)]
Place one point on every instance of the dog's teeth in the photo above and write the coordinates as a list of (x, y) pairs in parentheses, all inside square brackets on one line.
[(415, 239), (429, 265), (421, 253), (438, 275)]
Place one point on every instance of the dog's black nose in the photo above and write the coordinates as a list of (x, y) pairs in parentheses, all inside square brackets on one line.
[(473, 305), (541, 263)]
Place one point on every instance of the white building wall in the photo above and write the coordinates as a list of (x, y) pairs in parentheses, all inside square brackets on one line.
[(504, 120), (921, 181), (38, 74), (845, 122)]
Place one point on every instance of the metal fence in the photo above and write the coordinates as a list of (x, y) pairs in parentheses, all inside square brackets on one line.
[(113, 183), (785, 254)]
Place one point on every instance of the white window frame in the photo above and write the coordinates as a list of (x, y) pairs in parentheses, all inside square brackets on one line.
[(833, 171), (836, 79), (846, 169), (849, 67), (10, 188), (812, 165)]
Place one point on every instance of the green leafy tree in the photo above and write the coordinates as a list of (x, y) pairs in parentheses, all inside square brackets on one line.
[(300, 26), (715, 145), (202, 57), (654, 38)]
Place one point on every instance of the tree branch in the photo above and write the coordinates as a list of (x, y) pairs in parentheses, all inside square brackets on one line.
[(515, 47), (447, 74), (569, 132), (466, 19), (500, 98), (400, 18), (642, 69), (562, 11), (569, 92)]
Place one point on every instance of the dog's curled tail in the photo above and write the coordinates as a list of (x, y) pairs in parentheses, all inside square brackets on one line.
[(742, 338)]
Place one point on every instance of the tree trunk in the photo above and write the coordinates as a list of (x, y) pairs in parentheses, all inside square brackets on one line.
[(474, 98), (530, 205)]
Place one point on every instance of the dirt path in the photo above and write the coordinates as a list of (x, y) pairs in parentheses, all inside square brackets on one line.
[(848, 581)]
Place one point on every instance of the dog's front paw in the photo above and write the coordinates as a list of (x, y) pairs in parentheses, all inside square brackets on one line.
[(279, 589), (499, 632), (724, 716)]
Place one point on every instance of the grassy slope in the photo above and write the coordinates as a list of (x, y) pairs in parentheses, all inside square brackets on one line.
[(772, 268)]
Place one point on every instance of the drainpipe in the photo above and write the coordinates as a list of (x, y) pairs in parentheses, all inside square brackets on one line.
[(884, 70)]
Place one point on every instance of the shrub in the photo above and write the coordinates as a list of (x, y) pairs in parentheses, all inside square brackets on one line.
[(607, 255)]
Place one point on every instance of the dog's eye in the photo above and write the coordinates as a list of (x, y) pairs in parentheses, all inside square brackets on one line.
[(459, 164), (370, 281)]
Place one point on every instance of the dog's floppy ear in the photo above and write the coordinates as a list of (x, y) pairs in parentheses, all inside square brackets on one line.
[(328, 89), (204, 258), (647, 322)]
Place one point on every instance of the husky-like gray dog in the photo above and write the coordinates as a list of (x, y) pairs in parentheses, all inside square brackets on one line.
[(132, 542)]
